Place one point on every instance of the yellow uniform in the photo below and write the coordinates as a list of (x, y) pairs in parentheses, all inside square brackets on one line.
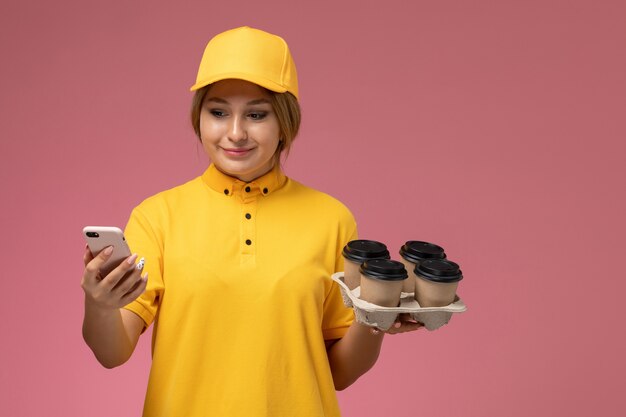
[(240, 293)]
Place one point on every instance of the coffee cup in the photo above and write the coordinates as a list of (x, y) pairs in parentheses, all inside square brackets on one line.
[(381, 282), (436, 283), (355, 253), (412, 253)]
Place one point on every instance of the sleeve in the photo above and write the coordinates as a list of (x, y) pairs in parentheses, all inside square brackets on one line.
[(146, 241), (337, 317)]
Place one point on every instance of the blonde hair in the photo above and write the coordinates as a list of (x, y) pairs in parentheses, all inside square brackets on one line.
[(284, 105)]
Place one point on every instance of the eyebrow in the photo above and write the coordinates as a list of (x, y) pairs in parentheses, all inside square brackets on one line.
[(250, 103)]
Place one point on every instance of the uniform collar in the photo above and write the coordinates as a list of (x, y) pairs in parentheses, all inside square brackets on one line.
[(229, 186)]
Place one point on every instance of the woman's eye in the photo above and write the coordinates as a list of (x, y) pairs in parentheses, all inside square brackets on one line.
[(258, 115), (217, 113)]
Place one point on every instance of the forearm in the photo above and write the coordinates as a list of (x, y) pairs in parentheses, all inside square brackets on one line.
[(354, 354), (105, 334)]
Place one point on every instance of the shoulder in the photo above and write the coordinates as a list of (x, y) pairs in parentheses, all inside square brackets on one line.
[(172, 197), (323, 204)]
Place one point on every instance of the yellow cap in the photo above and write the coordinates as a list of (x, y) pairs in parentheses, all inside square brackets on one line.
[(248, 54)]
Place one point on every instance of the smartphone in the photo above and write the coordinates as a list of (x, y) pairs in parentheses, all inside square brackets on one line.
[(99, 237)]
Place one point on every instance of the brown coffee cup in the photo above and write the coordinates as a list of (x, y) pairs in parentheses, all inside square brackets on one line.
[(355, 253), (412, 253), (381, 282), (437, 282)]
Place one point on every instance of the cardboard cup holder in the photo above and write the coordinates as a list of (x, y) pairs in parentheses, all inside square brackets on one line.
[(384, 317)]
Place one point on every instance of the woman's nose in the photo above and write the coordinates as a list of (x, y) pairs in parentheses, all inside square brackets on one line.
[(237, 129)]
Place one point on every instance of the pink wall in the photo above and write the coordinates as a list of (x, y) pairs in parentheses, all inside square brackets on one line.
[(493, 128)]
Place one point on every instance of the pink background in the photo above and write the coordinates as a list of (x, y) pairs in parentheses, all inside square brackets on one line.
[(493, 128)]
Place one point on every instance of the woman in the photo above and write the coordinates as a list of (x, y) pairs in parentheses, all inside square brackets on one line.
[(247, 320)]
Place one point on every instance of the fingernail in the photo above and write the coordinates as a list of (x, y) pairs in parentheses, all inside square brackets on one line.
[(397, 325), (108, 250), (132, 259), (145, 277), (140, 264)]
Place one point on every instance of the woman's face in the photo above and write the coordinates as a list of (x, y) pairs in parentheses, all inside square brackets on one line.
[(239, 129)]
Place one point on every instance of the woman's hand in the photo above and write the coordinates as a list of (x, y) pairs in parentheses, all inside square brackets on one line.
[(110, 331), (357, 351), (404, 323), (121, 286)]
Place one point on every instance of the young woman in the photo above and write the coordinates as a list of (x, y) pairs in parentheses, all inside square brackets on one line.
[(247, 321)]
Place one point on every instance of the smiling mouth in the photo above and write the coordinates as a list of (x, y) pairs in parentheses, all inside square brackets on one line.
[(237, 151)]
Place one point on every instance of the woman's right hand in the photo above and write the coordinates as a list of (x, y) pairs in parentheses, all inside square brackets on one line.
[(121, 286)]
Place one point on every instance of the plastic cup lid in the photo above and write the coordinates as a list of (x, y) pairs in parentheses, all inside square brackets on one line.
[(439, 270), (384, 269), (362, 250), (416, 251)]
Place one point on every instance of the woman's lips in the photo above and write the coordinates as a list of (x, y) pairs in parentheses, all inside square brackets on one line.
[(237, 152)]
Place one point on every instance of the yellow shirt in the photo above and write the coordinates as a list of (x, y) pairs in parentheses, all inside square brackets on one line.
[(240, 293)]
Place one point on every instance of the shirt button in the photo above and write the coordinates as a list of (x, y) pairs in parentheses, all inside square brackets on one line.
[(265, 191), (248, 216), (226, 191), (247, 189), (248, 242)]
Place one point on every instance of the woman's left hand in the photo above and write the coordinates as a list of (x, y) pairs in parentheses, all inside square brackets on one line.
[(404, 323)]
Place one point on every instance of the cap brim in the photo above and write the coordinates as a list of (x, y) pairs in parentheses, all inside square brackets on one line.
[(270, 85)]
